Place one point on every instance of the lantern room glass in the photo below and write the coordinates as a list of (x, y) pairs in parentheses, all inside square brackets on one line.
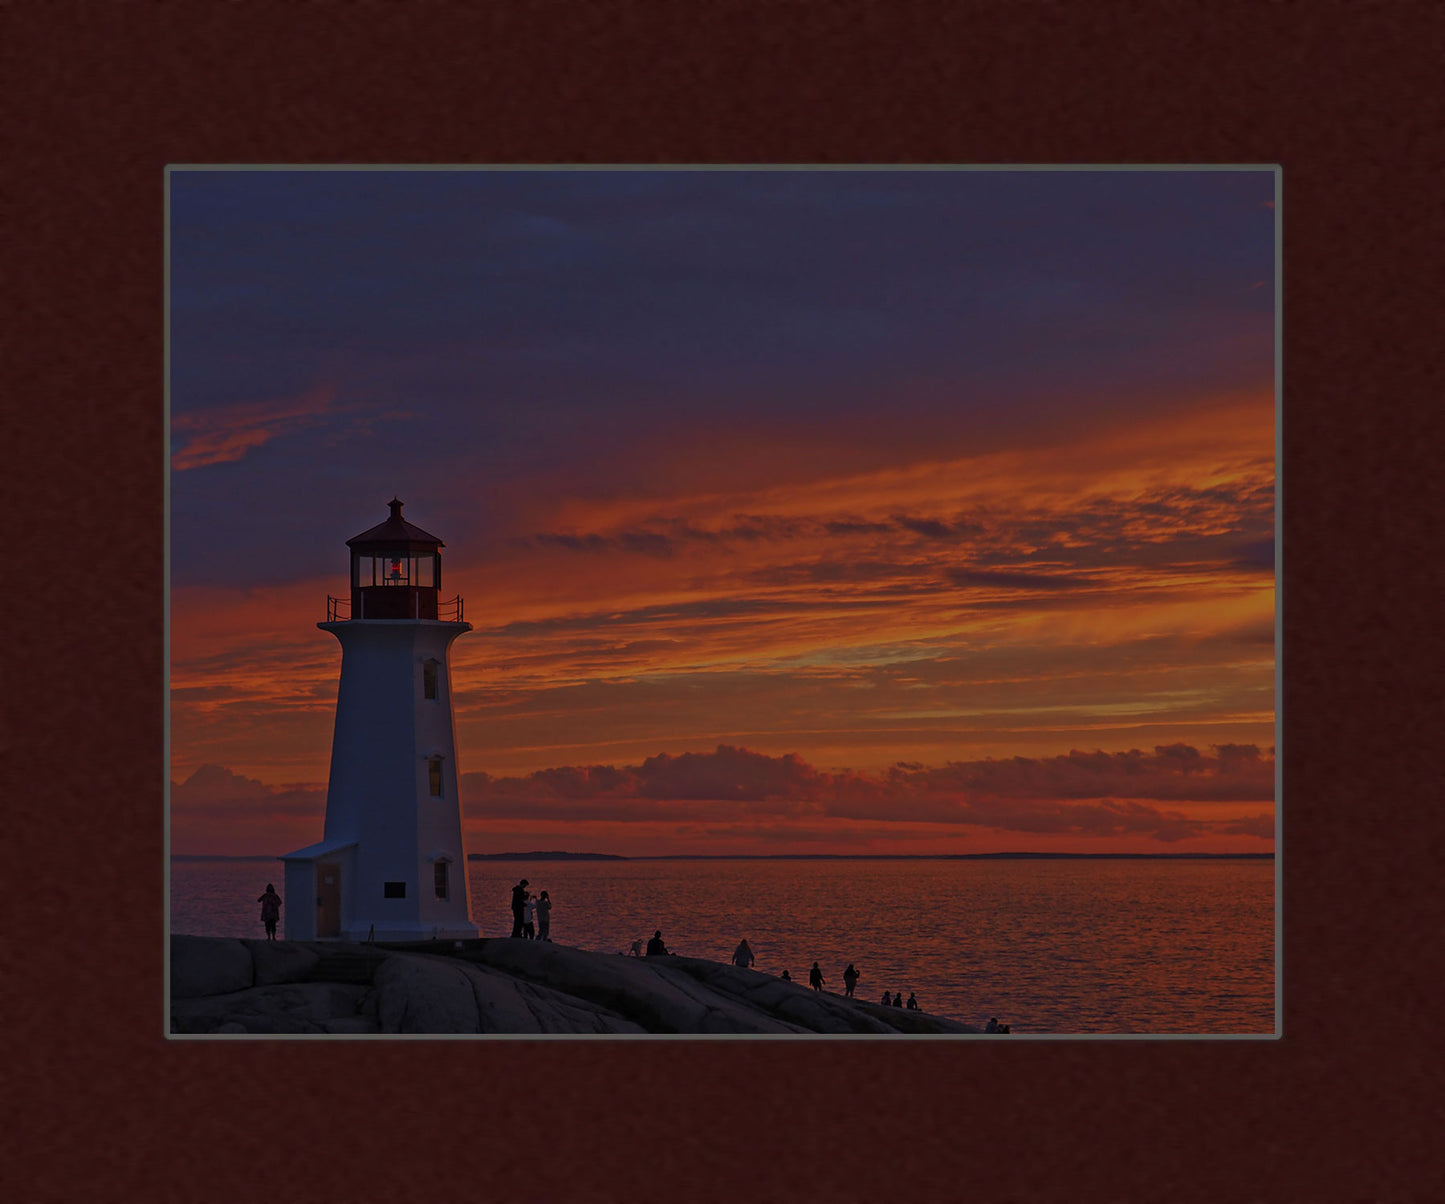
[(419, 569)]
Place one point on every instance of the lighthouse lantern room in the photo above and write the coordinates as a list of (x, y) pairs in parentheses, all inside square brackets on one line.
[(391, 864)]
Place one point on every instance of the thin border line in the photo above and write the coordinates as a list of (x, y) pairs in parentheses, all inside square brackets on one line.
[(166, 601), (1278, 601), (726, 167)]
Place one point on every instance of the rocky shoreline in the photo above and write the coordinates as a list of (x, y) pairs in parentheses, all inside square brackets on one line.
[(223, 985)]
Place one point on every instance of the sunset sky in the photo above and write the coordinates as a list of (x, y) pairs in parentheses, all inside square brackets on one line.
[(821, 512)]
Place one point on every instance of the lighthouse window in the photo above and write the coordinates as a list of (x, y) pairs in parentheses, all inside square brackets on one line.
[(441, 879), (429, 679), (434, 776), (393, 890), (419, 570)]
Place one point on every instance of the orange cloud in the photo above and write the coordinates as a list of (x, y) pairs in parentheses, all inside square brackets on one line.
[(225, 433)]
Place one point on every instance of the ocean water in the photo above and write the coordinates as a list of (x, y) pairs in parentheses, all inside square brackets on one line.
[(1046, 946)]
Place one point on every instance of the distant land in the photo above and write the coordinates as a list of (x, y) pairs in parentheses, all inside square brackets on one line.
[(557, 855), (225, 857), (551, 855)]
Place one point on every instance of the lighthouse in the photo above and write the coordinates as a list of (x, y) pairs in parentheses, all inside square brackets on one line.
[(390, 864)]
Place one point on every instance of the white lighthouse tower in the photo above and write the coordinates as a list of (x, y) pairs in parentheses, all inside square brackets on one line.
[(391, 864)]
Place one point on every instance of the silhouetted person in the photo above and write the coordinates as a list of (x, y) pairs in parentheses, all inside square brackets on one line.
[(655, 947), (519, 906), (544, 917), (913, 1002), (887, 999), (815, 978), (270, 910), (992, 1025), (636, 949), (785, 976), (743, 954), (898, 999), (1004, 1028), (850, 980), (529, 918)]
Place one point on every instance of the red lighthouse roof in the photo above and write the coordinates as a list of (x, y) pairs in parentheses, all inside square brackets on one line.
[(396, 530)]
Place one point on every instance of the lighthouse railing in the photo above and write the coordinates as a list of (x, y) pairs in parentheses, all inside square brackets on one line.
[(338, 610)]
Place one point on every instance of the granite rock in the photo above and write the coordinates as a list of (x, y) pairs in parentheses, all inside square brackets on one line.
[(278, 962), (285, 1008), (498, 986), (209, 966)]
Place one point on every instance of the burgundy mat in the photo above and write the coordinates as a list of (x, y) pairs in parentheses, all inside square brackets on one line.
[(100, 97)]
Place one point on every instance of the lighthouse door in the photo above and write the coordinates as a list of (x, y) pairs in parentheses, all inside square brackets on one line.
[(328, 899)]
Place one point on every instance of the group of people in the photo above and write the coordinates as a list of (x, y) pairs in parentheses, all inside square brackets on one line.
[(993, 1026), (851, 975), (743, 956), (655, 947), (531, 914)]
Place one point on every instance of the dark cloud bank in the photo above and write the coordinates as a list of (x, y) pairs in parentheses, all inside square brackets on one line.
[(1094, 794), (1083, 794)]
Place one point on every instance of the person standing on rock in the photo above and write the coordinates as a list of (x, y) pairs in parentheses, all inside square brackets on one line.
[(815, 978), (850, 980), (887, 999), (544, 917), (529, 918), (270, 910), (743, 954), (519, 904)]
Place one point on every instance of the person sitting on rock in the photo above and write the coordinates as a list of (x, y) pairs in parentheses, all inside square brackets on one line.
[(270, 910), (887, 999), (743, 954), (815, 977), (1004, 1028), (898, 999), (785, 976), (913, 1002), (655, 947), (992, 1025), (850, 980)]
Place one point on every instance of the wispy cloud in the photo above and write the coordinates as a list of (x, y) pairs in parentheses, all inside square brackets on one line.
[(223, 434)]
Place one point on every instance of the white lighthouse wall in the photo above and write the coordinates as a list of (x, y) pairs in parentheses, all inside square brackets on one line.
[(379, 792), (299, 903)]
